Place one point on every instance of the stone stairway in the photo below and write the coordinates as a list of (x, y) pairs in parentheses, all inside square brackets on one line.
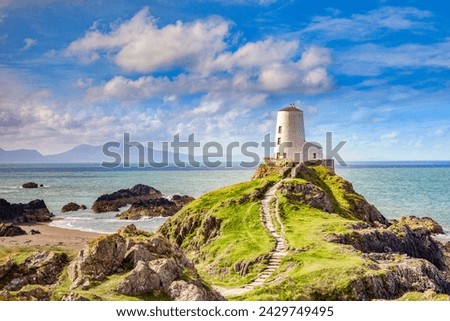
[(280, 246), (277, 253)]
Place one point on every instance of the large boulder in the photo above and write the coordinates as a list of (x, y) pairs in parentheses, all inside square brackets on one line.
[(141, 280), (112, 202), (30, 185), (149, 263), (418, 223), (102, 257), (72, 207), (10, 230), (155, 207), (34, 211), (183, 291)]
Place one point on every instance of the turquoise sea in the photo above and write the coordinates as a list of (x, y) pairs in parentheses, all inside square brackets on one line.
[(396, 188)]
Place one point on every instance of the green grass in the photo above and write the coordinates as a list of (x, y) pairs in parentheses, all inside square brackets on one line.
[(101, 290), (314, 268), (419, 296), (20, 253), (243, 239), (242, 236)]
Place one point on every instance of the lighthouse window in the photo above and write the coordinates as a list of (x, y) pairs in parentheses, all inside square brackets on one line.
[(279, 141), (279, 129)]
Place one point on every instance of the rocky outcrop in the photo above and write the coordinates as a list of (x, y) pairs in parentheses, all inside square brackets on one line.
[(155, 207), (398, 238), (34, 211), (5, 267), (30, 185), (396, 276), (35, 294), (112, 202), (184, 291), (419, 223), (141, 280), (209, 227), (99, 259), (10, 230), (154, 266), (40, 268), (308, 194), (72, 207), (332, 184)]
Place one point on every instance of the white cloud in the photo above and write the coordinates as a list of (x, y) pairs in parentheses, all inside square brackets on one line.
[(308, 74), (363, 26), (390, 135), (28, 43), (244, 74), (170, 98), (371, 59), (256, 54), (440, 132), (140, 45), (198, 54)]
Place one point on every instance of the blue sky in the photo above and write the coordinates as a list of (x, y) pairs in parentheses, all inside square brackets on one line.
[(374, 73)]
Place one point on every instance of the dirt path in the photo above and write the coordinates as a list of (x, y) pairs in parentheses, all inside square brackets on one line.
[(277, 253)]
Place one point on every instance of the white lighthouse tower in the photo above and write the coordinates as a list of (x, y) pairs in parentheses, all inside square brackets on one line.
[(290, 134), (290, 137)]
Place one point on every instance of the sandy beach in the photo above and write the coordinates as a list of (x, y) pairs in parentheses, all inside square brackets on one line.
[(50, 236)]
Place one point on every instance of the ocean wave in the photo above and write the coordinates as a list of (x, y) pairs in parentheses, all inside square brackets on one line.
[(70, 226), (443, 237), (7, 191)]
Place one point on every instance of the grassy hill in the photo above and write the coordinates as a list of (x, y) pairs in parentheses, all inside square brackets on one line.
[(222, 232)]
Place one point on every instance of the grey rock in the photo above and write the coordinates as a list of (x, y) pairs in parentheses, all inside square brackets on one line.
[(183, 291), (98, 259), (72, 296), (10, 230), (167, 269), (308, 194), (112, 202), (42, 268), (141, 280), (30, 185), (6, 267), (137, 253), (34, 211)]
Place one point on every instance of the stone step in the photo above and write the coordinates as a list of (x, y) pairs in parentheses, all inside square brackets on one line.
[(257, 282)]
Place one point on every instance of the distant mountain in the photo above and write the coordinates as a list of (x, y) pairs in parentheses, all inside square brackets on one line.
[(21, 156), (80, 154)]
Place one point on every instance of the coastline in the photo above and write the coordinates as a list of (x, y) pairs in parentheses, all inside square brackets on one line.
[(50, 236)]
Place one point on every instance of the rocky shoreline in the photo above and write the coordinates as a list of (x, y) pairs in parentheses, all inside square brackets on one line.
[(32, 212), (398, 256)]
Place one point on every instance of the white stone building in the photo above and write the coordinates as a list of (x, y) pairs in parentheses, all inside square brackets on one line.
[(290, 138)]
